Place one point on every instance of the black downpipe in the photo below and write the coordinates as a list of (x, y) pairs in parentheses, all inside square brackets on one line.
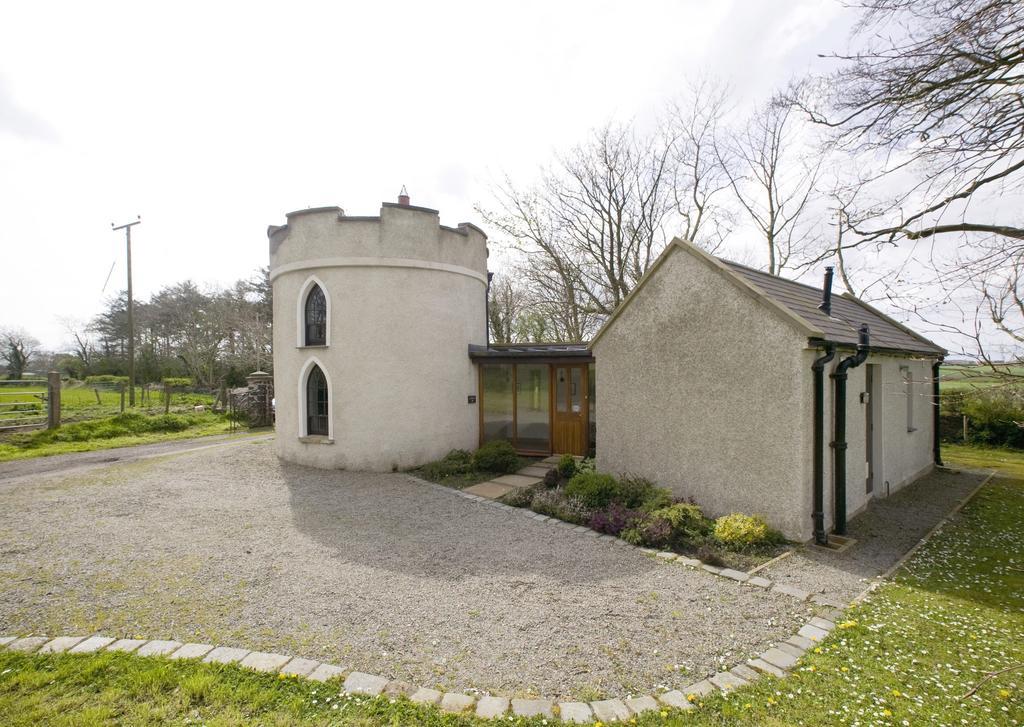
[(818, 367), (936, 449), (839, 444)]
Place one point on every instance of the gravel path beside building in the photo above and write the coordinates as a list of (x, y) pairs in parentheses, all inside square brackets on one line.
[(884, 532), (375, 572)]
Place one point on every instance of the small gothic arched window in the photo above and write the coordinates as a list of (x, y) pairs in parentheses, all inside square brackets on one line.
[(316, 403), (316, 317)]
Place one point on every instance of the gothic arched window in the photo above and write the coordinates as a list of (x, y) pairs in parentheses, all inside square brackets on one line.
[(316, 318), (316, 403)]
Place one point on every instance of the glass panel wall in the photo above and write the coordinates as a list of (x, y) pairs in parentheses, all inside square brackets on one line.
[(533, 407), (497, 401)]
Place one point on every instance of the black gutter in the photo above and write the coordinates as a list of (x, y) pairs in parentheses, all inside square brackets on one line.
[(839, 443), (818, 367), (936, 449), (820, 537)]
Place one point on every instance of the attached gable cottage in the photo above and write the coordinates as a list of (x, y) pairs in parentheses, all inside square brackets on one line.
[(720, 382), (741, 390)]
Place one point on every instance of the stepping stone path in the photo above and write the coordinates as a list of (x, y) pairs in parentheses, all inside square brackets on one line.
[(526, 477)]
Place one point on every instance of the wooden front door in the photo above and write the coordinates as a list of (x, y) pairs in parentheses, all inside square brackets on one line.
[(570, 407)]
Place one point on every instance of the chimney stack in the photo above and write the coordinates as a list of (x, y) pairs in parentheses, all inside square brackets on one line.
[(403, 197), (826, 293)]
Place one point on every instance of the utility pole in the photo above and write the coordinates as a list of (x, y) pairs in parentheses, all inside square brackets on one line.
[(131, 320)]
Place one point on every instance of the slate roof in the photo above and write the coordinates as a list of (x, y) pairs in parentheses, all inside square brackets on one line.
[(848, 313)]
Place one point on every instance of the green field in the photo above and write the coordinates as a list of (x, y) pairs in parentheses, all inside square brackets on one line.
[(958, 377)]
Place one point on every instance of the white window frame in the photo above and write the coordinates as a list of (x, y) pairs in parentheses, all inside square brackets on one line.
[(304, 399), (300, 313)]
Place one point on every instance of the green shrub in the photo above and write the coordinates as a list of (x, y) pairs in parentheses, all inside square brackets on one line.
[(556, 504), (552, 479), (106, 379), (497, 456), (521, 496), (177, 381), (642, 493), (686, 520), (567, 466), (456, 462), (738, 531), (995, 417), (594, 489)]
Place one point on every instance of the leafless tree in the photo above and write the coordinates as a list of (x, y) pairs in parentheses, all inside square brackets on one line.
[(700, 182), (505, 304), (935, 100), (17, 349), (938, 87), (773, 180), (591, 226)]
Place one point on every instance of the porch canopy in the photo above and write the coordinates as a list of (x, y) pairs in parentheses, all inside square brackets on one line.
[(538, 396)]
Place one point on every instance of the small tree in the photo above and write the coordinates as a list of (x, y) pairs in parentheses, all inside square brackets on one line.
[(17, 349)]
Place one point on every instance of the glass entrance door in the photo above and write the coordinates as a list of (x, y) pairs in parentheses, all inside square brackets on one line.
[(571, 405)]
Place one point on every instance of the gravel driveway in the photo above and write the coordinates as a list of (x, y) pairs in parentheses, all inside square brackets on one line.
[(375, 572)]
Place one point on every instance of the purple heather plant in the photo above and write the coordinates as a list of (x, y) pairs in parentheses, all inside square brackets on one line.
[(613, 519)]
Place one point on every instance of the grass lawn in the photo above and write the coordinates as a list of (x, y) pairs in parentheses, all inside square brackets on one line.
[(905, 656), (106, 433)]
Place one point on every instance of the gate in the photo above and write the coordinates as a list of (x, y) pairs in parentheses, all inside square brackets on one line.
[(30, 403)]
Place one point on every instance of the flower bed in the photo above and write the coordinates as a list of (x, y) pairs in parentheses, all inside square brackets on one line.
[(643, 514)]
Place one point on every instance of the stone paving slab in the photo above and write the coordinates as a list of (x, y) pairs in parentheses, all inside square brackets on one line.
[(763, 666), (158, 648), (675, 699), (576, 712), (534, 471), (812, 632), (399, 688), (745, 673), (264, 661), (516, 480), (790, 649), (300, 667), (822, 624), (491, 707), (127, 645), (226, 655), (639, 705), (326, 671), (779, 658), (490, 490), (610, 710), (5, 640), (91, 644), (736, 575), (800, 642), (455, 703), (759, 582), (361, 683), (797, 593), (28, 644), (426, 696), (533, 707), (727, 681), (192, 651), (61, 644), (700, 689)]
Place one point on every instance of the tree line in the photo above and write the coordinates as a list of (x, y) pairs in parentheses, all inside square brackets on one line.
[(912, 146), (212, 337)]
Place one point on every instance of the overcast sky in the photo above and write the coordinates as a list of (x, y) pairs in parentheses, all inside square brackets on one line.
[(211, 120)]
